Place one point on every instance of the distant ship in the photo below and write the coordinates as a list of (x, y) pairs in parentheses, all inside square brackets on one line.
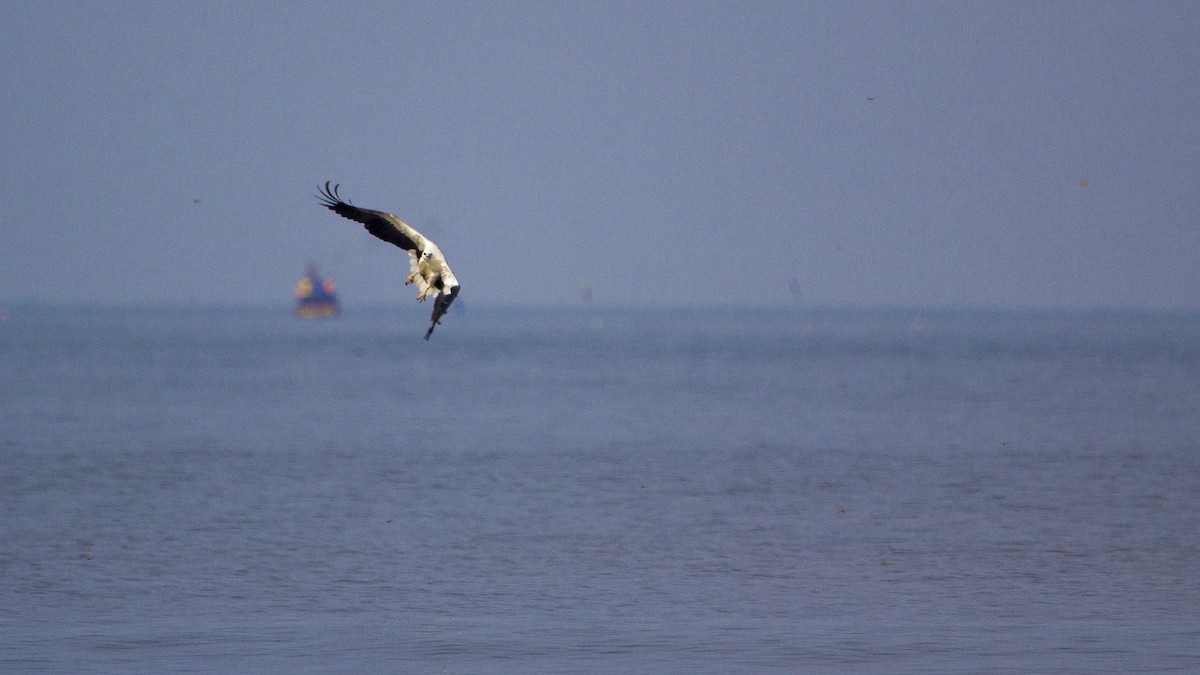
[(316, 296)]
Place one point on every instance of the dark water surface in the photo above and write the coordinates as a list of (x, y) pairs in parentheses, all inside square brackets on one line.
[(531, 492)]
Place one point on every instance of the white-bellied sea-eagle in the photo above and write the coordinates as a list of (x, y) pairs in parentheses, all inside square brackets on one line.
[(426, 263)]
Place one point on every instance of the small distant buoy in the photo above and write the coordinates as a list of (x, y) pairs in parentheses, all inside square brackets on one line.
[(1083, 183)]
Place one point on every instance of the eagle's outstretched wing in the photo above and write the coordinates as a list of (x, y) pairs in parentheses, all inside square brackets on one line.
[(384, 225), (440, 304), (429, 269)]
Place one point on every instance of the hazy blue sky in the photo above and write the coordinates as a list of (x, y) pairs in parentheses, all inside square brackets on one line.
[(880, 153)]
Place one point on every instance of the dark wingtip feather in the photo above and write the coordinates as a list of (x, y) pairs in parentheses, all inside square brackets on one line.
[(329, 197)]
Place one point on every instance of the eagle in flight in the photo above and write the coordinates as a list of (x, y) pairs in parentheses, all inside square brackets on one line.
[(425, 260)]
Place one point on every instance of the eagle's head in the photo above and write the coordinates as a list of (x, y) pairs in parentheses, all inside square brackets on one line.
[(428, 255)]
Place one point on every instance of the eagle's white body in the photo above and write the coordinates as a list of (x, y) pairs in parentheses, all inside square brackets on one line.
[(430, 265)]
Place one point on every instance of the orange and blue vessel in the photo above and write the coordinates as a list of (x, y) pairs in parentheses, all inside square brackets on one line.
[(316, 296)]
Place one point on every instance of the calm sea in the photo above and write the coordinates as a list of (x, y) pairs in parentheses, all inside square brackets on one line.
[(537, 491)]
